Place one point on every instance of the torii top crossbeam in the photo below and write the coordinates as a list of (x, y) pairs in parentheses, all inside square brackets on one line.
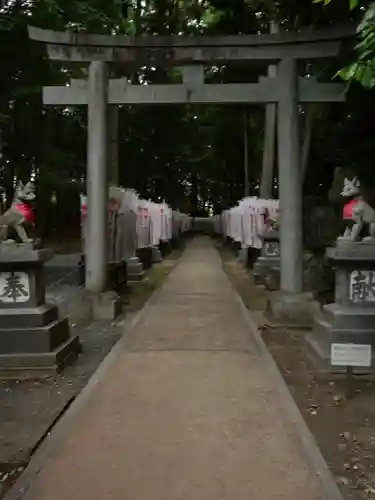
[(170, 50)]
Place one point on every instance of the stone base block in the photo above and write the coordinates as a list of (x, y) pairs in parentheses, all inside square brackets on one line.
[(145, 256), (165, 248), (242, 255), (337, 324), (103, 306), (134, 270), (272, 275), (156, 255), (294, 310), (176, 241), (272, 279), (262, 268), (28, 317), (39, 365), (236, 246), (252, 256), (117, 275), (34, 340)]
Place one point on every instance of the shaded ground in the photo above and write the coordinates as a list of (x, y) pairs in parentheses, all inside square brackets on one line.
[(28, 409), (186, 409), (341, 417)]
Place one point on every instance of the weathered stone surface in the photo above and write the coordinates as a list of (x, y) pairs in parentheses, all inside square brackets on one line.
[(269, 256), (156, 255), (38, 365), (243, 255), (23, 253), (291, 309), (30, 317), (351, 318), (103, 306), (116, 276), (135, 270), (271, 276), (313, 281), (165, 246), (145, 256), (33, 340)]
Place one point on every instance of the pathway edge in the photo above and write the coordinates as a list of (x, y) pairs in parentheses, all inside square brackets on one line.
[(49, 447), (307, 440)]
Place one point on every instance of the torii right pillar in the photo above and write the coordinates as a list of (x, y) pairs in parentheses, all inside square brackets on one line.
[(290, 305)]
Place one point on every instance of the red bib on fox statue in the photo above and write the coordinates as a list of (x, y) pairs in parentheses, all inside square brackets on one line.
[(27, 212), (347, 212)]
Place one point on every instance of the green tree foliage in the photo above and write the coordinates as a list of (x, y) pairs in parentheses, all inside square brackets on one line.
[(363, 69)]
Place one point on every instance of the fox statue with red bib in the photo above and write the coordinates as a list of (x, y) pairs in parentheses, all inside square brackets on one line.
[(357, 214), (19, 213)]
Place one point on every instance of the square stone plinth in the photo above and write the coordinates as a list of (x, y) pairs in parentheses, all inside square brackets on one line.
[(269, 256), (263, 267), (96, 306), (145, 256), (336, 324), (34, 343), (351, 318), (135, 270), (292, 310), (18, 366), (156, 255)]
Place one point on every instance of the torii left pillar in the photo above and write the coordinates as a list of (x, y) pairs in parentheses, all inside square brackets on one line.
[(98, 302), (97, 183)]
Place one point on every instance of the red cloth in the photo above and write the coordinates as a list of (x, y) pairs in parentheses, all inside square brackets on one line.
[(348, 209), (26, 211)]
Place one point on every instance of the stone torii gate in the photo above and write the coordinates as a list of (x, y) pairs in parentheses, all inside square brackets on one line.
[(191, 54)]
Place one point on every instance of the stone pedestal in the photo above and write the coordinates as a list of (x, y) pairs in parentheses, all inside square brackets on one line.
[(351, 318), (34, 342), (243, 255), (176, 241), (253, 255), (292, 310), (269, 257), (272, 279), (88, 305), (135, 270), (236, 246), (145, 256), (165, 248), (313, 277), (156, 255)]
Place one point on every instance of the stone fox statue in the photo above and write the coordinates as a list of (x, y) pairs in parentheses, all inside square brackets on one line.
[(357, 214), (19, 213)]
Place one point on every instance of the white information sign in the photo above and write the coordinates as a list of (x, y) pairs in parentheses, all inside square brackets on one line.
[(351, 355)]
